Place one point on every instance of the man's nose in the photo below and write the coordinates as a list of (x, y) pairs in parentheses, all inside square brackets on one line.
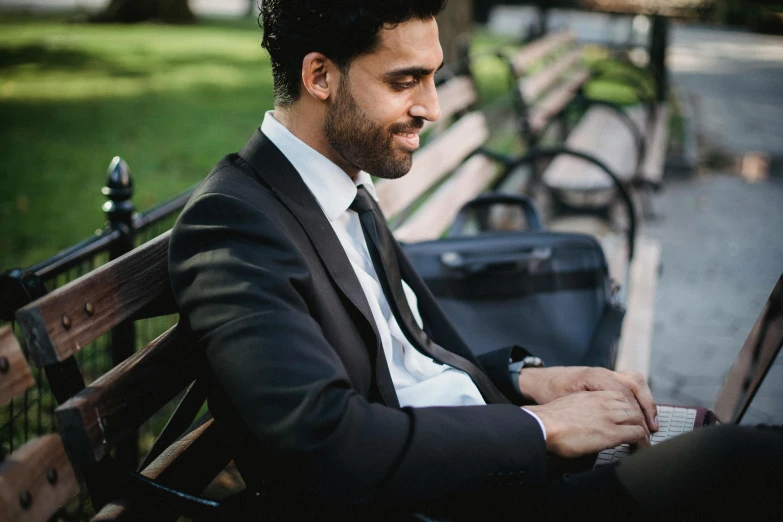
[(426, 104)]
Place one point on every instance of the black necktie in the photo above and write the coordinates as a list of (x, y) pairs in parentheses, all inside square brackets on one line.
[(381, 247)]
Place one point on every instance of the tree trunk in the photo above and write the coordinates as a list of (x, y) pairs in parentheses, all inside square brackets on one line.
[(454, 22), (133, 11)]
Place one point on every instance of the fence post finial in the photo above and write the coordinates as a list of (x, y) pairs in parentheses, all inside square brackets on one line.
[(119, 190)]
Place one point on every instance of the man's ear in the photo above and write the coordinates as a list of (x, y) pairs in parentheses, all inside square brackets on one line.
[(319, 76)]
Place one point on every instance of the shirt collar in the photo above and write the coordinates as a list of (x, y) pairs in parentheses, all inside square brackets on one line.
[(332, 187)]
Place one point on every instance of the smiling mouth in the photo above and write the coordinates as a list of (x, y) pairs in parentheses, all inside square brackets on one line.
[(409, 139)]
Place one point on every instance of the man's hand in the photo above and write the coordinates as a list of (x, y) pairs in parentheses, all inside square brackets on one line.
[(584, 423), (545, 385)]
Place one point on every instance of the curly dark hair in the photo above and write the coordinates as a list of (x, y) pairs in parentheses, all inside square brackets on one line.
[(340, 29)]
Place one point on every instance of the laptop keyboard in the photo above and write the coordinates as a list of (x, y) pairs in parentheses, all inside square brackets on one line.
[(672, 420)]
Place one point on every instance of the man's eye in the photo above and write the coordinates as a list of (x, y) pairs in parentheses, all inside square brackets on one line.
[(405, 85)]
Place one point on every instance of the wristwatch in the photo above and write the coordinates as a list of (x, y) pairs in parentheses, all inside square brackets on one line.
[(530, 361), (514, 368)]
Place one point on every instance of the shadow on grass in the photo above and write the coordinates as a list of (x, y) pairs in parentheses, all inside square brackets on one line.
[(49, 58), (45, 57)]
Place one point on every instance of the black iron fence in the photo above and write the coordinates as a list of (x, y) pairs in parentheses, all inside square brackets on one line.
[(32, 414)]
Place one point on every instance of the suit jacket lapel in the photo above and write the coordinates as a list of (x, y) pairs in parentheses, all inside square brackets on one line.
[(278, 174)]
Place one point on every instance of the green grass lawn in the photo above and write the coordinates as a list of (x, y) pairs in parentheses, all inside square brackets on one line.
[(170, 100)]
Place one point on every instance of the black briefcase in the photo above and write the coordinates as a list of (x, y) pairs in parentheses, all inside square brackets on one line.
[(548, 292)]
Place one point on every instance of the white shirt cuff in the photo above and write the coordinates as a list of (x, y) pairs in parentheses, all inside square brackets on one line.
[(543, 429)]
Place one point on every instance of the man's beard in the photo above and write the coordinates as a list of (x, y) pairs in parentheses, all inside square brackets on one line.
[(362, 143)]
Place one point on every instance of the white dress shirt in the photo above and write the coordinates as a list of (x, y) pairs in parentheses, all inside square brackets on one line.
[(418, 380)]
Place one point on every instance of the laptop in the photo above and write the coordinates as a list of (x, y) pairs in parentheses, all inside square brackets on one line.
[(741, 384)]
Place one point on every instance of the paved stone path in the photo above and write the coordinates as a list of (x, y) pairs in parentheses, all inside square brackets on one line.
[(722, 239), (737, 79), (722, 252)]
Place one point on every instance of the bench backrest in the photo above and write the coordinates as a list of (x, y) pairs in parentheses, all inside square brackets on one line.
[(57, 325), (433, 162), (540, 49), (557, 75), (455, 95), (113, 407), (549, 74), (37, 479)]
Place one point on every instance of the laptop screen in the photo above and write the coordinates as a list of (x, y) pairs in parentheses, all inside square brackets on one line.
[(753, 362)]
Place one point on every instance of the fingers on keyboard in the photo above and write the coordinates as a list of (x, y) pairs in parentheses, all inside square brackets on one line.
[(673, 421)]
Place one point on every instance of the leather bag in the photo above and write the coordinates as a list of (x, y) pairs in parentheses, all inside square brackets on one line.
[(549, 292)]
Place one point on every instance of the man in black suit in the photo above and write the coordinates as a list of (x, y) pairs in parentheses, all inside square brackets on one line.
[(345, 384)]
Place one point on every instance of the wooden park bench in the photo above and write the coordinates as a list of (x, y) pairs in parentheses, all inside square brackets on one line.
[(631, 143), (112, 408), (456, 166), (550, 76)]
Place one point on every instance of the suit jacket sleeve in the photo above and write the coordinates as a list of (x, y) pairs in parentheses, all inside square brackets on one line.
[(242, 284)]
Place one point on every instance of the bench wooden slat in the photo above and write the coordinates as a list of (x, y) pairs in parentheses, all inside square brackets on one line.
[(655, 157), (603, 135), (15, 375), (556, 100), (583, 224), (439, 158), (434, 218), (40, 471), (117, 403), (188, 465), (535, 51), (616, 250), (454, 96), (636, 338), (59, 324), (533, 86)]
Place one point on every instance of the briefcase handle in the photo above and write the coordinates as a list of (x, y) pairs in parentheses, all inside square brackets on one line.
[(496, 198), (529, 260)]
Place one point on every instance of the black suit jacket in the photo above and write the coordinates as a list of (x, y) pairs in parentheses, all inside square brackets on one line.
[(296, 367)]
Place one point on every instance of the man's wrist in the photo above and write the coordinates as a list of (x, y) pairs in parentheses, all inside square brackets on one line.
[(538, 419), (528, 380)]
